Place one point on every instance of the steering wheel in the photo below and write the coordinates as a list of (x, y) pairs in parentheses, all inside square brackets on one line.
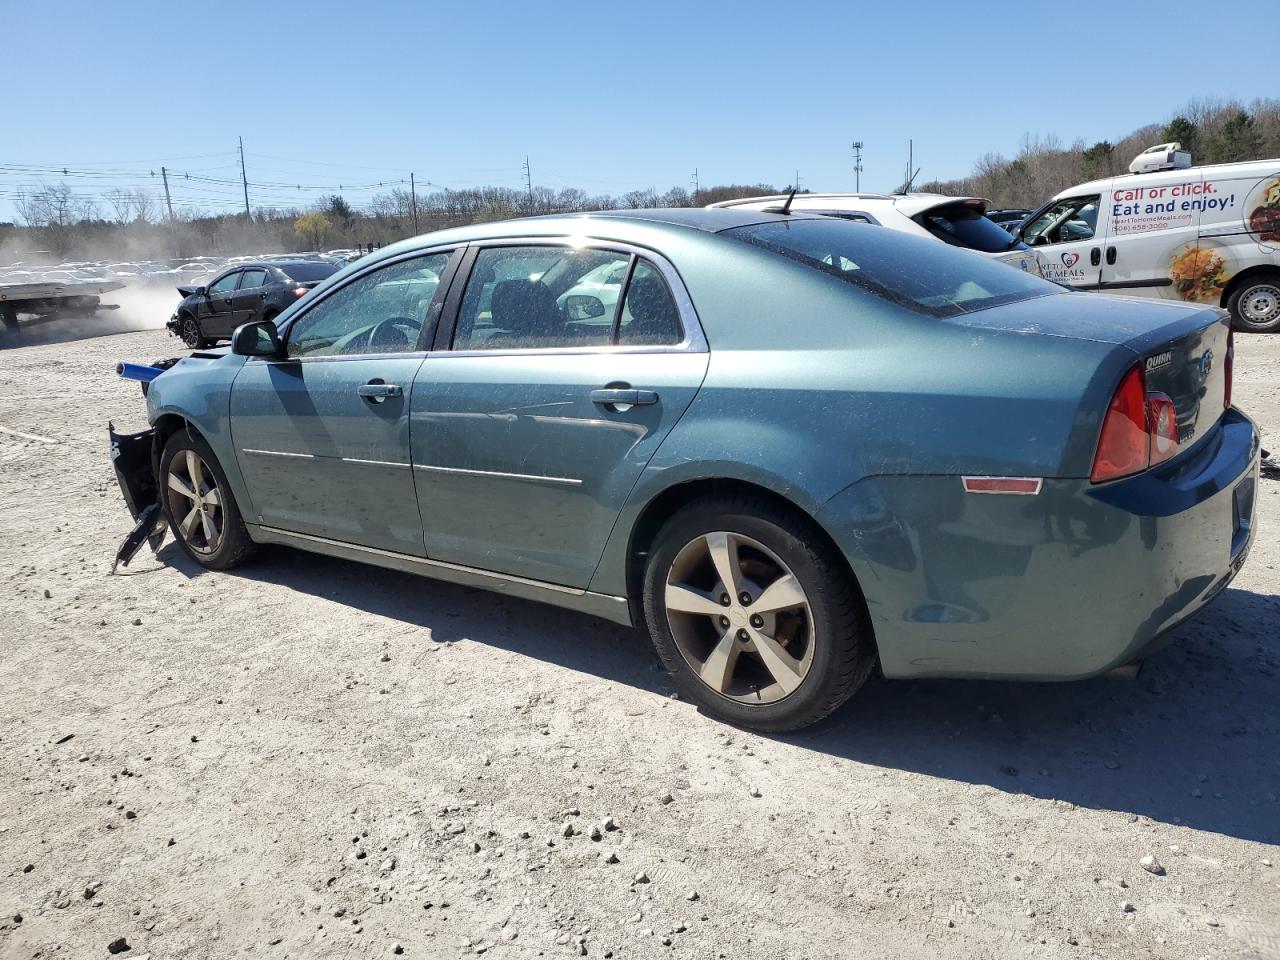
[(395, 332)]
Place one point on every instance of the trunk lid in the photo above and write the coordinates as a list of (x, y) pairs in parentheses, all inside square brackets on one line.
[(1182, 348)]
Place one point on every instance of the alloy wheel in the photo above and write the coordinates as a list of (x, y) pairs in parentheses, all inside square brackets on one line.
[(739, 617), (190, 333), (195, 502), (1261, 305)]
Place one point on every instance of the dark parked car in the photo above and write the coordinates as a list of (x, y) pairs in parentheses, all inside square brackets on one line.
[(242, 294), (1008, 219)]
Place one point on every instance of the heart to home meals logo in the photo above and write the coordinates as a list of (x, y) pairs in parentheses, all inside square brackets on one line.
[(1069, 259)]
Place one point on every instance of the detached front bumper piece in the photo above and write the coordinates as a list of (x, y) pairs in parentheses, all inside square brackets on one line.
[(132, 455)]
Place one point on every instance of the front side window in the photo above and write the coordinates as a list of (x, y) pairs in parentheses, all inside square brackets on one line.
[(913, 272), (253, 278), (225, 284), (535, 297), (1063, 222), (380, 312)]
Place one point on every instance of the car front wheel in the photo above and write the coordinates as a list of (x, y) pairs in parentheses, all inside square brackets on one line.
[(198, 503), (754, 614), (189, 330)]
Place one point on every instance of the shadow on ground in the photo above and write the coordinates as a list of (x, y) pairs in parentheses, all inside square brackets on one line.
[(1195, 740)]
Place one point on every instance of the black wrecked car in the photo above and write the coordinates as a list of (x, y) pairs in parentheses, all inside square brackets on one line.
[(244, 293)]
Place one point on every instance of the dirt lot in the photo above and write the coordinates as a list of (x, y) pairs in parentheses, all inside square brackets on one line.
[(311, 758)]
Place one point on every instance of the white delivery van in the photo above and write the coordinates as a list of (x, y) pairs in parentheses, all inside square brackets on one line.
[(959, 221), (1206, 234)]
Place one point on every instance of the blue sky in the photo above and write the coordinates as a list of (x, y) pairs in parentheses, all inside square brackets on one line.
[(604, 96)]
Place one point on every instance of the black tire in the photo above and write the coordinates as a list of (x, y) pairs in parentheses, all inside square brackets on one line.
[(9, 316), (189, 331), (843, 647), (1255, 304), (232, 546)]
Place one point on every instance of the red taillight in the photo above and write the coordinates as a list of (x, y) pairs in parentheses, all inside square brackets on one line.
[(1229, 370), (1124, 447), (1162, 421)]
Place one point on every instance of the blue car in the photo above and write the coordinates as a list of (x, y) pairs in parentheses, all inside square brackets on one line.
[(792, 448)]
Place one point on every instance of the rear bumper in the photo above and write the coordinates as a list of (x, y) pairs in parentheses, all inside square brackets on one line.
[(1066, 584)]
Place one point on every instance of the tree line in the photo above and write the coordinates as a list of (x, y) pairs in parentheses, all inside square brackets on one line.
[(133, 225), (1215, 131)]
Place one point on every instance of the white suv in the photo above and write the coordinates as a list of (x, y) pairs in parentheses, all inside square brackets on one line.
[(959, 221)]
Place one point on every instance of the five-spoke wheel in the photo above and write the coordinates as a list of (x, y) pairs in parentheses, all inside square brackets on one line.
[(755, 614), (739, 617), (195, 502)]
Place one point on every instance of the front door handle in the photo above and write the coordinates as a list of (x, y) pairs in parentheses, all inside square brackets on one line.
[(1111, 255), (377, 392), (1095, 256), (613, 396)]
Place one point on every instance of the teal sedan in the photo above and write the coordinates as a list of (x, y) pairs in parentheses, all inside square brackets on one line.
[(793, 449)]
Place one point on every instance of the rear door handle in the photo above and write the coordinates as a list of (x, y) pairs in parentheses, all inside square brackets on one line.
[(610, 396), (377, 392), (1111, 255)]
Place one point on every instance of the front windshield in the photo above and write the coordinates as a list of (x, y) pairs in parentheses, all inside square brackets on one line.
[(913, 272)]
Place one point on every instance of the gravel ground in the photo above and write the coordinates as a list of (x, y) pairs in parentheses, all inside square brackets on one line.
[(312, 758)]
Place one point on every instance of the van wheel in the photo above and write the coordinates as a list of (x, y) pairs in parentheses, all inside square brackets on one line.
[(199, 506), (1255, 304), (754, 615), (9, 315)]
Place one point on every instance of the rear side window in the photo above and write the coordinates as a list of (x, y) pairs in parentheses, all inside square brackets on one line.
[(913, 272), (649, 314), (252, 278), (966, 226)]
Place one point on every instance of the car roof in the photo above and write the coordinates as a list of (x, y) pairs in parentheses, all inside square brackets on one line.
[(907, 204)]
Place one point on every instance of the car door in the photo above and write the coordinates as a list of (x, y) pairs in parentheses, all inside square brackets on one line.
[(1153, 230), (533, 424), (1066, 239), (250, 297), (217, 310), (322, 435)]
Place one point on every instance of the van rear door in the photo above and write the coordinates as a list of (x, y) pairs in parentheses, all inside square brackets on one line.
[(1151, 248)]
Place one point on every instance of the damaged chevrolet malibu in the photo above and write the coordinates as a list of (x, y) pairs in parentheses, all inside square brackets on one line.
[(793, 449)]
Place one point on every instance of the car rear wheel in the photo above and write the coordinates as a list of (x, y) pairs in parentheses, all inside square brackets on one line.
[(9, 315), (189, 330), (198, 503), (754, 614), (1255, 304)]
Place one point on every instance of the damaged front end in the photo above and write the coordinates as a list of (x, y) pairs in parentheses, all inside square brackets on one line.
[(136, 461), (133, 456)]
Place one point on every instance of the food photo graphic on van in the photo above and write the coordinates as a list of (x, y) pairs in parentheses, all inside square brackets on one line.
[(1172, 231)]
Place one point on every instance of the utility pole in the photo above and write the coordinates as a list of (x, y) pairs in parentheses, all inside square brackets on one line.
[(857, 166), (528, 182), (245, 181), (413, 201), (797, 181), (696, 186), (164, 175)]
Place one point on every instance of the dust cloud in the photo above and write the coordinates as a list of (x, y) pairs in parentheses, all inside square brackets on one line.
[(141, 308)]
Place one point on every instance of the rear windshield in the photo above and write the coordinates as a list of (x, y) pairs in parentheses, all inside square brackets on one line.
[(307, 272), (966, 226), (910, 271)]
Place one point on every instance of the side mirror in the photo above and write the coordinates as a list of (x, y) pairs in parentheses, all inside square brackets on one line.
[(201, 291), (582, 307), (258, 339)]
